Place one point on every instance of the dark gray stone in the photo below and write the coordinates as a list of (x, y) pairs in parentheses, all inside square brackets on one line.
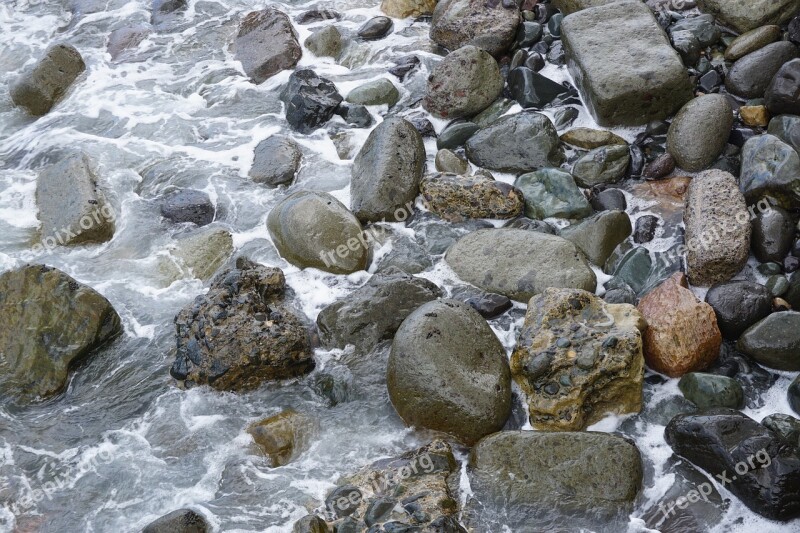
[(276, 161), (187, 205), (41, 88), (266, 44), (774, 341), (750, 76), (738, 305)]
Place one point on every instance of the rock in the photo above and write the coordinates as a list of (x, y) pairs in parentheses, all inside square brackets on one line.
[(404, 66), (709, 390), (786, 426), (448, 372), (751, 41), (621, 88), (531, 89), (774, 341), (608, 200), (314, 230), (750, 75), (180, 521), (448, 161), (531, 225), (72, 206), (578, 359), (317, 15), (754, 116), (187, 205), (357, 115), (122, 40), (282, 437), (455, 134), (717, 228), (602, 165), (773, 234), (311, 524), (276, 161), (491, 26), (782, 94), (589, 139), (386, 172), (378, 92), (523, 142), (699, 132), (241, 333), (376, 28), (687, 45), (550, 192), (794, 395), (718, 440), (437, 236), (490, 305), (401, 9), (266, 44), (646, 226), (519, 263), (702, 27), (770, 168), (535, 477), (528, 33), (744, 16), (491, 114), (456, 198), (738, 305), (39, 89), (165, 10), (403, 251), (310, 100), (787, 129), (599, 235), (325, 42), (463, 84), (373, 313), (197, 255), (682, 334), (63, 322)]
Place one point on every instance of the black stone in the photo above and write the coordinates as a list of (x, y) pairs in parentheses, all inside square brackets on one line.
[(535, 61), (527, 34), (317, 15), (531, 89), (773, 234), (187, 205), (783, 93), (646, 226), (490, 305), (310, 100), (376, 28), (404, 66), (710, 82), (356, 114), (180, 521), (609, 200), (738, 305)]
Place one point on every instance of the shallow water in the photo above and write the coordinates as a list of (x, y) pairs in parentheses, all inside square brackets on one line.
[(122, 445)]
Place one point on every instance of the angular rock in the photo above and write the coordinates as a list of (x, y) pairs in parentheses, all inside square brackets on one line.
[(774, 341), (310, 100), (456, 198), (325, 42), (646, 226), (41, 88), (786, 426), (531, 89), (783, 92), (750, 76), (551, 192), (773, 234), (606, 164), (699, 132), (491, 26), (276, 161), (709, 390), (745, 16), (599, 235), (770, 168), (490, 305), (738, 305), (266, 44), (608, 200), (283, 437), (187, 205), (787, 129), (701, 26), (401, 9), (378, 92), (751, 41), (180, 521)]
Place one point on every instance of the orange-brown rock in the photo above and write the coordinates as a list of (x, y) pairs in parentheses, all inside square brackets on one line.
[(682, 334)]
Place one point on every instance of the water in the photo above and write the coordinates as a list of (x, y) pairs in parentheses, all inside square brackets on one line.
[(122, 445)]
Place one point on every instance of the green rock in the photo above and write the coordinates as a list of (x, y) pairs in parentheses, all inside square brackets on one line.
[(699, 132), (198, 255), (634, 268), (602, 165), (551, 192), (456, 134), (325, 42), (489, 115), (589, 139), (599, 235), (377, 92), (770, 269), (711, 390), (787, 129), (751, 41), (774, 341)]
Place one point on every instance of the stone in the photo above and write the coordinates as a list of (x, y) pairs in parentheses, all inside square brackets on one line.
[(528, 33), (523, 142), (187, 206), (436, 235), (404, 252), (531, 89), (717, 440), (786, 426), (387, 171), (491, 114), (599, 235), (682, 334), (122, 40), (266, 44), (311, 524), (620, 87), (709, 390), (755, 116), (314, 230), (448, 372), (401, 9), (699, 132), (787, 129), (589, 139), (551, 192), (455, 134), (404, 66), (717, 228), (531, 225), (603, 165), (568, 7), (578, 359), (317, 15), (241, 333), (448, 161), (325, 42), (609, 200), (773, 234), (770, 169), (794, 395), (276, 161), (357, 115), (376, 28), (39, 89), (73, 208), (646, 226), (490, 305), (491, 26), (783, 93), (197, 255), (455, 198), (180, 521), (702, 27), (377, 92), (774, 341), (745, 16), (750, 76), (738, 305), (310, 100), (518, 263), (463, 84), (751, 41), (283, 437), (51, 322), (687, 45), (373, 313)]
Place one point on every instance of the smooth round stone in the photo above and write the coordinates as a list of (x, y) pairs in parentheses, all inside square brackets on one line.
[(344, 500), (710, 390), (551, 192), (661, 167), (275, 161), (589, 139), (794, 395), (750, 76), (774, 341), (773, 235), (187, 205), (518, 59), (456, 134), (783, 94), (554, 25), (609, 200), (601, 165), (646, 226), (376, 28), (787, 129), (777, 285), (770, 269), (738, 305), (377, 92), (751, 41), (448, 161), (527, 34), (700, 131)]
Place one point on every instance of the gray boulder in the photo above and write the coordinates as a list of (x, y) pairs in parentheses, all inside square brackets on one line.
[(745, 15), (770, 169), (749, 77), (266, 44), (377, 92), (276, 161), (603, 165), (599, 235), (187, 205), (39, 89), (325, 42), (699, 132), (491, 26)]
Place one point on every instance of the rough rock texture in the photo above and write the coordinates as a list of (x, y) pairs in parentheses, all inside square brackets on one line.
[(699, 132), (578, 359), (187, 205), (598, 236), (738, 305), (603, 165), (519, 263), (746, 15), (241, 333), (456, 198), (39, 89), (373, 313), (387, 171), (491, 26), (50, 323), (717, 228), (284, 436), (750, 76), (682, 334), (276, 161), (448, 372), (310, 100), (463, 84), (551, 192), (180, 521), (623, 64), (266, 43), (770, 168), (774, 341), (401, 9)]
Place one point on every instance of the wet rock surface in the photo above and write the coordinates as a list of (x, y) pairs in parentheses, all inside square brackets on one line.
[(42, 87), (490, 26), (266, 44), (456, 198)]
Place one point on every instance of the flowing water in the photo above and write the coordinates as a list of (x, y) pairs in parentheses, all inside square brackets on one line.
[(122, 445)]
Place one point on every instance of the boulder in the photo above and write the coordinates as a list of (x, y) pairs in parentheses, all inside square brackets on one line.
[(600, 166), (180, 521), (325, 42), (551, 192), (710, 390), (599, 235), (276, 161), (456, 198), (266, 44), (609, 200), (783, 93), (448, 372), (745, 15), (491, 26), (682, 334), (241, 333), (770, 168), (377, 92), (738, 305), (311, 524), (310, 100), (187, 205), (401, 9), (787, 129), (750, 76), (699, 132), (774, 341), (283, 437), (751, 41), (39, 89), (50, 323), (519, 263), (578, 359), (773, 234)]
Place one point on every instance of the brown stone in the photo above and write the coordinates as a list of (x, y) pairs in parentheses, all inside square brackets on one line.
[(401, 9), (284, 436), (754, 115), (456, 198)]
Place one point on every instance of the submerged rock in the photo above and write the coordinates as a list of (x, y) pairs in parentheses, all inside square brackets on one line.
[(180, 521), (39, 89), (187, 205), (276, 161), (197, 255), (456, 198), (491, 26), (166, 10), (283, 437), (266, 44)]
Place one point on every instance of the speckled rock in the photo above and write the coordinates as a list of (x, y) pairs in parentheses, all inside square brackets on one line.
[(456, 198), (589, 139), (491, 26), (699, 132), (266, 44)]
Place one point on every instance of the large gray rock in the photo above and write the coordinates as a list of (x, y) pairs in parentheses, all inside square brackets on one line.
[(72, 207), (463, 84), (717, 228), (699, 132), (770, 168), (523, 142), (448, 372), (598, 236), (387, 171), (749, 77), (519, 263), (310, 100), (603, 165), (49, 80), (488, 25), (275, 161), (745, 15), (266, 44), (623, 63), (373, 313)]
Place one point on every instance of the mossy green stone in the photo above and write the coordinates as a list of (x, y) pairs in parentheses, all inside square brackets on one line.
[(711, 390)]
